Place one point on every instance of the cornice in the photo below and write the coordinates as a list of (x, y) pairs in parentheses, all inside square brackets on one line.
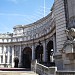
[(46, 36)]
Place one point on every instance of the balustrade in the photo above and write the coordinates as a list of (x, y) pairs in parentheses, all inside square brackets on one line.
[(65, 73), (41, 69)]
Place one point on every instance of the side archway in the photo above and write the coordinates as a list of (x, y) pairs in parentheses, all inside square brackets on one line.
[(49, 50), (26, 57)]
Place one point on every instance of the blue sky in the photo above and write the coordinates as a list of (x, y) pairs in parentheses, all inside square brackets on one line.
[(21, 12)]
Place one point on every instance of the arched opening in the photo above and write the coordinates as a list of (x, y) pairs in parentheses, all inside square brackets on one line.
[(39, 52), (50, 51), (26, 57)]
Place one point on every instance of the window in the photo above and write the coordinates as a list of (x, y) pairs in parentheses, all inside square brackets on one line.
[(6, 49), (5, 59), (11, 59), (10, 50), (1, 49)]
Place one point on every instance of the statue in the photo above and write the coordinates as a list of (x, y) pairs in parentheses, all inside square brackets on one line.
[(16, 61), (70, 34)]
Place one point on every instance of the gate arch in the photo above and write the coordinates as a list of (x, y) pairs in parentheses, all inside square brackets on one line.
[(49, 50), (26, 57)]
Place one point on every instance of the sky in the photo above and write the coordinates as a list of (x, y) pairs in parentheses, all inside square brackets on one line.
[(21, 12)]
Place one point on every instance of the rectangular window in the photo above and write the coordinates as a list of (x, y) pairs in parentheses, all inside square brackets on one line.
[(11, 59), (6, 49), (5, 59), (10, 50), (0, 49)]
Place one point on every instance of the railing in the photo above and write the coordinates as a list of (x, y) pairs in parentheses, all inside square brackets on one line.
[(33, 65), (65, 73), (42, 70)]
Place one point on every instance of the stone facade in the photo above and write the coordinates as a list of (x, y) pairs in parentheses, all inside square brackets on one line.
[(50, 31), (12, 44)]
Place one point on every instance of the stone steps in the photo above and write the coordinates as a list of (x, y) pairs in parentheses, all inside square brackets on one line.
[(17, 73)]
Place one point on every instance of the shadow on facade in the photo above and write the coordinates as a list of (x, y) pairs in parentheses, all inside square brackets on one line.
[(26, 57)]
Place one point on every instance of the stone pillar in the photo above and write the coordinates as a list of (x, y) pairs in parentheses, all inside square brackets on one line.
[(20, 57), (33, 51), (0, 59), (44, 51), (12, 56), (4, 49), (8, 55)]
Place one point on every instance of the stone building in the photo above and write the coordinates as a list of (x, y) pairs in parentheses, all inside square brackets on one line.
[(45, 40)]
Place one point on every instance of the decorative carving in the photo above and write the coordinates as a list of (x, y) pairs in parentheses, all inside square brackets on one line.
[(71, 22), (70, 33)]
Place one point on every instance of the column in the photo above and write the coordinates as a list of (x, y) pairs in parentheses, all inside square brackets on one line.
[(4, 49), (8, 55), (0, 59), (44, 51), (20, 55), (12, 56), (33, 51)]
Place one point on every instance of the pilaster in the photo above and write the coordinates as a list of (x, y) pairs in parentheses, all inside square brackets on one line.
[(20, 55), (33, 51), (4, 54), (44, 51), (8, 55), (12, 56), (0, 59)]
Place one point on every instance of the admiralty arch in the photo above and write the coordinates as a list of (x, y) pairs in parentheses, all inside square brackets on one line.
[(46, 40)]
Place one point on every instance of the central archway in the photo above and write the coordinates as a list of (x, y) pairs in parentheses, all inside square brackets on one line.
[(26, 57)]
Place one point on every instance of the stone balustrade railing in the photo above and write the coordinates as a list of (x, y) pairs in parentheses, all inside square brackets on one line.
[(41, 69), (65, 72)]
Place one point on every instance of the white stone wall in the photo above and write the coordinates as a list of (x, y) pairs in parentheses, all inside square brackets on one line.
[(59, 13), (5, 55), (71, 8), (71, 13)]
